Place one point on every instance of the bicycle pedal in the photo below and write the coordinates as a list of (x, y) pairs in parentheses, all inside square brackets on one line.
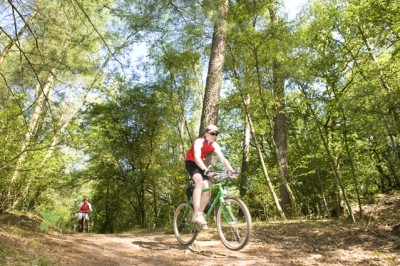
[(198, 227)]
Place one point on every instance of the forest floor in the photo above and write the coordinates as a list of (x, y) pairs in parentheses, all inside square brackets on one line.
[(375, 241)]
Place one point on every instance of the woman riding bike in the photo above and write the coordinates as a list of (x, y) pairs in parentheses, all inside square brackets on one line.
[(83, 212), (195, 165)]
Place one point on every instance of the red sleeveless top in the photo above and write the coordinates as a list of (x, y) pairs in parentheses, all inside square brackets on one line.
[(85, 207), (205, 149)]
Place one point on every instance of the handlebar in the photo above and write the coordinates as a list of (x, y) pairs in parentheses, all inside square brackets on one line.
[(220, 176), (89, 213)]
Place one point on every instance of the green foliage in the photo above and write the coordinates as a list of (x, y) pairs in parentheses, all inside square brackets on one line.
[(55, 210), (50, 221), (119, 131)]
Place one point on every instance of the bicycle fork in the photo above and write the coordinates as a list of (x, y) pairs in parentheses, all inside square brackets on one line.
[(227, 212)]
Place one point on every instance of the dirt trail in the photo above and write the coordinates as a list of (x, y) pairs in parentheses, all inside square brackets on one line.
[(290, 243), (319, 242)]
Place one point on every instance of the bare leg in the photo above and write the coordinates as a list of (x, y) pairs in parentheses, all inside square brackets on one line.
[(198, 180), (205, 197), (200, 199)]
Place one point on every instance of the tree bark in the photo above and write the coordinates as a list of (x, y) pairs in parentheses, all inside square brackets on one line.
[(249, 130), (42, 95), (260, 156), (67, 115), (331, 159), (280, 130), (216, 64), (245, 152)]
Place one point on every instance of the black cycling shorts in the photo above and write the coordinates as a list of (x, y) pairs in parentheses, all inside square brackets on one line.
[(193, 168)]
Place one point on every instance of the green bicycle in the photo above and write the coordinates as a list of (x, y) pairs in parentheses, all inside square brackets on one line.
[(232, 216)]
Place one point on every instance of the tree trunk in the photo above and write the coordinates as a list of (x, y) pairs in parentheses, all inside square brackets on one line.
[(41, 99), (391, 99), (260, 156), (67, 116), (245, 152), (331, 159), (7, 48), (216, 64), (179, 114), (280, 130), (249, 128), (353, 171)]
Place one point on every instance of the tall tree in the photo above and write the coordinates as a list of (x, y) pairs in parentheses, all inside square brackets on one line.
[(215, 68), (280, 131)]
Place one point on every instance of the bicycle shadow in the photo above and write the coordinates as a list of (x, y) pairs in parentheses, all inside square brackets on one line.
[(206, 248)]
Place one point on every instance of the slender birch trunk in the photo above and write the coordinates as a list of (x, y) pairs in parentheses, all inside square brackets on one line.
[(331, 160), (245, 152), (392, 105), (42, 96), (14, 40), (261, 157), (66, 117)]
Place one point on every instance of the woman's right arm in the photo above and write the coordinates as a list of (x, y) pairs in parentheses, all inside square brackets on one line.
[(197, 154)]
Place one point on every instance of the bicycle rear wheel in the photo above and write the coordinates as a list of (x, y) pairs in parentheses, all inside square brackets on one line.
[(233, 223), (185, 231)]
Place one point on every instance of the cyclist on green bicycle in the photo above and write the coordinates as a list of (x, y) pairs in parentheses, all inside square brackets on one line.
[(195, 165)]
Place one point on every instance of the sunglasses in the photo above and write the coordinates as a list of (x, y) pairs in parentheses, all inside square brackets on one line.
[(213, 133)]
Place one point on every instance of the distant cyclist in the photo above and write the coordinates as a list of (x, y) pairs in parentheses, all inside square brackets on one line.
[(195, 165), (84, 208)]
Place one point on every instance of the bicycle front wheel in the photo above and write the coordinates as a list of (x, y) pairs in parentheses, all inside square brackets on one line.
[(86, 226), (233, 223), (185, 231)]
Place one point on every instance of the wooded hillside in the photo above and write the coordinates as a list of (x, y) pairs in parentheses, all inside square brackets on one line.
[(103, 98)]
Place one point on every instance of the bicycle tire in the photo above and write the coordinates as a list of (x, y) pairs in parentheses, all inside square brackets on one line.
[(185, 231), (233, 223), (86, 226), (79, 228)]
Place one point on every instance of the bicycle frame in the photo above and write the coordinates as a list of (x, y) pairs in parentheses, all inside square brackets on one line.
[(218, 199), (84, 222)]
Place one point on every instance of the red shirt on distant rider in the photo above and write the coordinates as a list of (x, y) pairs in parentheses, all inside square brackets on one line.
[(84, 207)]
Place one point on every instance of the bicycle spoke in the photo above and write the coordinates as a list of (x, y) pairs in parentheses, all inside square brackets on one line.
[(185, 231), (234, 223)]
